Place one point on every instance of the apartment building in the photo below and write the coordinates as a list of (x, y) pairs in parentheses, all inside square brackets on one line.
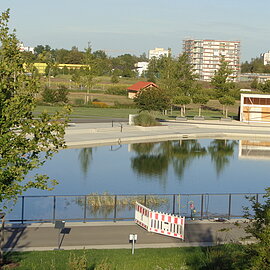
[(205, 56), (158, 52), (266, 58)]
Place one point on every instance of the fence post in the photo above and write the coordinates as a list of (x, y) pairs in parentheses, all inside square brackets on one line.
[(257, 197), (115, 204), (173, 209), (54, 206), (145, 200), (230, 206), (84, 212), (202, 201), (22, 218)]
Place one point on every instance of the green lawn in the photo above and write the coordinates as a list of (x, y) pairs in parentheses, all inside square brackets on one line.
[(103, 113), (122, 259), (89, 112)]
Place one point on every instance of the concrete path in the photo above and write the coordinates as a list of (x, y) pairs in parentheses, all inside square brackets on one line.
[(109, 235), (93, 134)]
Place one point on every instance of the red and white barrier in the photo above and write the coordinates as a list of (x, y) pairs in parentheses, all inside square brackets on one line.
[(142, 215), (160, 223)]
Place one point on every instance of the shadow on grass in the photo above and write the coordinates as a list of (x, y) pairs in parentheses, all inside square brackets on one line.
[(13, 235)]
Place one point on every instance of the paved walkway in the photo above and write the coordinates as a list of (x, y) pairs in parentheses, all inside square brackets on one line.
[(109, 235), (92, 134)]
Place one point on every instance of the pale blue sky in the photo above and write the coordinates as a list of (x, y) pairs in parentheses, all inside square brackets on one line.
[(135, 26)]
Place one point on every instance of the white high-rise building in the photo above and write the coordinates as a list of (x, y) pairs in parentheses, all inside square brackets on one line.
[(266, 58), (205, 56), (158, 52)]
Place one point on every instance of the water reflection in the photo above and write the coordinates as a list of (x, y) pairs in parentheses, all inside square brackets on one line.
[(85, 157), (250, 149), (221, 152), (154, 159), (183, 153)]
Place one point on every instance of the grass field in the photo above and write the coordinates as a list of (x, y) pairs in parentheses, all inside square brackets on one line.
[(101, 82), (212, 111), (144, 259)]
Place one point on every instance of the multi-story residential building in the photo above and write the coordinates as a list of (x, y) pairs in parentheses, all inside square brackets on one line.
[(158, 52), (266, 58), (205, 56)]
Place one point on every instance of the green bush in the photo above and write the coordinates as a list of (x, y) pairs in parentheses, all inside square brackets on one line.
[(60, 94), (116, 90), (48, 94), (119, 105), (145, 120), (79, 102)]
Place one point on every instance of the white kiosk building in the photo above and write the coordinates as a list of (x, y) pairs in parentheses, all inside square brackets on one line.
[(255, 108)]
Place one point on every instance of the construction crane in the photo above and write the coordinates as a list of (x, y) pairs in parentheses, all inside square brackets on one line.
[(118, 51)]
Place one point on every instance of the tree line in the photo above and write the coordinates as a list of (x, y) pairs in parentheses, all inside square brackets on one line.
[(122, 65), (178, 85)]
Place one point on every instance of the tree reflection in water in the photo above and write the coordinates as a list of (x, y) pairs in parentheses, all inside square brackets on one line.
[(184, 152), (221, 151), (154, 159), (85, 157)]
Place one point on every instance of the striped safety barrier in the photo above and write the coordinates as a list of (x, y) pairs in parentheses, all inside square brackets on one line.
[(142, 215), (160, 223)]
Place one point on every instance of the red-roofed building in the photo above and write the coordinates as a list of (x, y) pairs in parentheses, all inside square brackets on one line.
[(139, 86)]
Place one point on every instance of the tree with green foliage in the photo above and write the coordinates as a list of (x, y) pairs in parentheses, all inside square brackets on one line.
[(152, 73), (254, 84), (264, 87), (200, 99), (256, 65), (258, 253), (114, 79), (88, 79), (227, 101), (152, 99), (185, 76), (26, 141), (220, 80), (183, 101)]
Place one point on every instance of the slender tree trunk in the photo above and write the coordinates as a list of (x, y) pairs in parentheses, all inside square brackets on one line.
[(171, 109), (226, 112), (223, 109), (184, 107), (2, 241), (200, 111), (181, 111)]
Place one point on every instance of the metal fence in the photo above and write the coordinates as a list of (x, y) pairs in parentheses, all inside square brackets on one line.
[(105, 207)]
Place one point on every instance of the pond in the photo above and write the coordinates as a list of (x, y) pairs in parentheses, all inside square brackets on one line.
[(184, 166)]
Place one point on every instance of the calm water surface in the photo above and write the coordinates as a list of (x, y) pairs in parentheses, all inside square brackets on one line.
[(185, 166)]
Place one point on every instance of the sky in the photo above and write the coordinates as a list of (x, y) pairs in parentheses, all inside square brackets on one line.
[(136, 26)]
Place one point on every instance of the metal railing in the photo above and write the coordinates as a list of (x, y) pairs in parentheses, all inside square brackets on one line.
[(103, 207)]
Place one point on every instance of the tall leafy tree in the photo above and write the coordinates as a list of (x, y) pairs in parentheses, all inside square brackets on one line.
[(25, 141), (258, 253), (152, 73), (168, 81), (89, 74), (186, 77), (220, 80)]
